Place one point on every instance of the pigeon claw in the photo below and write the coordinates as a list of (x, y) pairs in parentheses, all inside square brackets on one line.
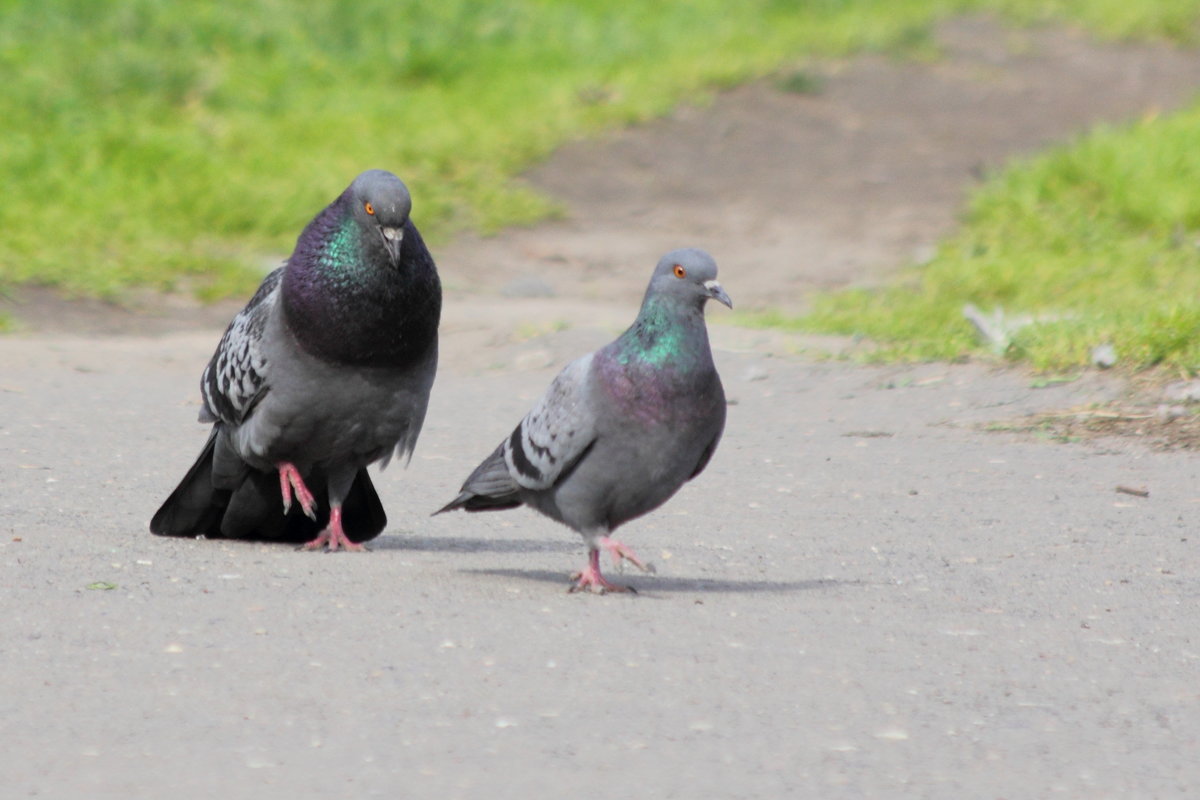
[(290, 481), (590, 579), (334, 537)]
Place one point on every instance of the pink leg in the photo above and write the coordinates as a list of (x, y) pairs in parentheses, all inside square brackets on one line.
[(333, 535), (289, 479), (619, 551), (589, 578)]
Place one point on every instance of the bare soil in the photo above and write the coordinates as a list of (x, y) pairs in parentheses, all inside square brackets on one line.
[(1157, 427), (795, 192)]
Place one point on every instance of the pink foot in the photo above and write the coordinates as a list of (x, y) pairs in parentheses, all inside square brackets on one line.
[(589, 578), (289, 479), (333, 536), (620, 551)]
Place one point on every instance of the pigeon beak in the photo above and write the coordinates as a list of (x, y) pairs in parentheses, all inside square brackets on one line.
[(717, 293), (392, 239)]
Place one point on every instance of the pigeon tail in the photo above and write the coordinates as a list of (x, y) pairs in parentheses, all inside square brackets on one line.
[(196, 506), (489, 488), (469, 501), (252, 510)]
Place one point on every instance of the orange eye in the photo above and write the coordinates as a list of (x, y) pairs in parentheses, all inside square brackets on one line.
[(680, 272), (370, 209)]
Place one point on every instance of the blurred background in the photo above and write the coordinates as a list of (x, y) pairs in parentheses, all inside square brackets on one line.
[(181, 147)]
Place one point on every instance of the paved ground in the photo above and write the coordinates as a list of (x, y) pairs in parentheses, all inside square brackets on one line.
[(867, 594)]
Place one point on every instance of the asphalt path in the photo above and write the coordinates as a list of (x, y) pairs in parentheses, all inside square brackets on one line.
[(867, 593)]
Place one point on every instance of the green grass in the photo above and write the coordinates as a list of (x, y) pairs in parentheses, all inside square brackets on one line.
[(1178, 20), (1100, 239), (183, 145)]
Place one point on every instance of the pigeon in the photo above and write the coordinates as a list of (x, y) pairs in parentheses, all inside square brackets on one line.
[(620, 429), (327, 369)]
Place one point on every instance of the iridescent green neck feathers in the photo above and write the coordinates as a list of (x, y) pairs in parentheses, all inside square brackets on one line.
[(666, 333)]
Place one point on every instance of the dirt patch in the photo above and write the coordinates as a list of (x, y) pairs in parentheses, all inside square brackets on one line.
[(1154, 407), (794, 192), (1163, 427)]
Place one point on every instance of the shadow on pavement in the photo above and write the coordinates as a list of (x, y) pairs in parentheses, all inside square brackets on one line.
[(462, 544), (649, 585)]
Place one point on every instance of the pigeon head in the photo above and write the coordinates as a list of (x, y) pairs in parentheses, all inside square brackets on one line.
[(381, 203), (669, 329), (690, 275)]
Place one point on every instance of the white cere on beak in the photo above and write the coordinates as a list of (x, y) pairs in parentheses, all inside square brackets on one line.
[(716, 292), (393, 234)]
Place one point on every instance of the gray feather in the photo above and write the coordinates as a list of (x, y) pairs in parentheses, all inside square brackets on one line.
[(552, 436), (236, 374)]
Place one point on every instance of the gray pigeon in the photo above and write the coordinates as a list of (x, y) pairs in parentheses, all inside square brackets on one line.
[(621, 429), (326, 370)]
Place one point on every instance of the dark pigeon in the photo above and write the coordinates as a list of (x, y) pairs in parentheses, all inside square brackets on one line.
[(621, 429), (326, 370)]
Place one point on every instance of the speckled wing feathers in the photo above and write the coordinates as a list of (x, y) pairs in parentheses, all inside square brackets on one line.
[(556, 433), (235, 378)]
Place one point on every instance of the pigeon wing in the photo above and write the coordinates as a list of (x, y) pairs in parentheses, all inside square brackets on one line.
[(236, 377), (556, 433)]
